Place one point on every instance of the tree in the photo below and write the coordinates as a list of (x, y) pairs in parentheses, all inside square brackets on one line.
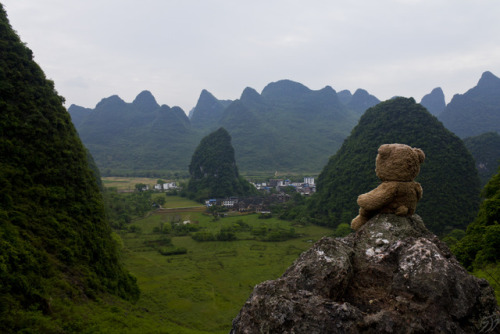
[(481, 243), (140, 187)]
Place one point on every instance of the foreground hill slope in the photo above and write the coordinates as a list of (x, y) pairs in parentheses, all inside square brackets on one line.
[(448, 175), (55, 242)]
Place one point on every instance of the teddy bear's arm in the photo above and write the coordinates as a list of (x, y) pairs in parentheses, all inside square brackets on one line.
[(419, 191), (378, 197)]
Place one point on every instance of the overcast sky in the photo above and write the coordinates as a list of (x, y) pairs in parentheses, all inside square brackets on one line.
[(175, 48)]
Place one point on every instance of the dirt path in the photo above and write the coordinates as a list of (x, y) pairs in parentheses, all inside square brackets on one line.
[(178, 210)]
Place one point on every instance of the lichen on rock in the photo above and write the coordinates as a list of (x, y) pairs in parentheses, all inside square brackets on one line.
[(392, 276)]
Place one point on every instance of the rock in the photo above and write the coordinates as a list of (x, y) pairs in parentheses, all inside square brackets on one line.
[(392, 276)]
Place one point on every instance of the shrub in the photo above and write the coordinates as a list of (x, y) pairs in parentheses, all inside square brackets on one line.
[(203, 236), (226, 234), (166, 251)]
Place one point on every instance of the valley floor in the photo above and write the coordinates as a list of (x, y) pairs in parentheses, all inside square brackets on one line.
[(203, 290)]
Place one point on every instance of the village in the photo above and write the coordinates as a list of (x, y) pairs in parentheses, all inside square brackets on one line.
[(276, 190)]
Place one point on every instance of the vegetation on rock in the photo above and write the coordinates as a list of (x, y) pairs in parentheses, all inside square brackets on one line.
[(485, 149), (448, 175), (55, 241), (481, 243), (213, 169)]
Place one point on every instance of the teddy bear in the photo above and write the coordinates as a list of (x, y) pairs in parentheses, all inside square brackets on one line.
[(396, 165)]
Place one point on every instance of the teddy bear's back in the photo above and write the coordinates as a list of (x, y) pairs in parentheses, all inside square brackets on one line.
[(407, 194)]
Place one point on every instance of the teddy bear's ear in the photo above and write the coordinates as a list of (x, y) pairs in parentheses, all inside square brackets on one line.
[(385, 151), (420, 154)]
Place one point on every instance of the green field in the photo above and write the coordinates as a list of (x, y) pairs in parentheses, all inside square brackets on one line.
[(127, 183), (203, 290), (178, 202)]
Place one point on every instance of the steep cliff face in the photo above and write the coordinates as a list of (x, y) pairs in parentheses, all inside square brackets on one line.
[(55, 241), (393, 276)]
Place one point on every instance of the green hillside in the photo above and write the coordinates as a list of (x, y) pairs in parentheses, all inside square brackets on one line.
[(55, 242), (481, 244), (213, 170), (448, 175), (485, 149)]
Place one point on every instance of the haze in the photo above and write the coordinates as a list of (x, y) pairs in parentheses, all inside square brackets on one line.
[(96, 48)]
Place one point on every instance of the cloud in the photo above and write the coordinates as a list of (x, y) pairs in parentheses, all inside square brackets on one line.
[(94, 48)]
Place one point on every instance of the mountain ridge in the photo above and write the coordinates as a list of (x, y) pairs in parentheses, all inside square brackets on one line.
[(286, 127), (476, 111)]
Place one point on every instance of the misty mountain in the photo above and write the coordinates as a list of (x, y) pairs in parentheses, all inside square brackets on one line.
[(477, 111), (360, 101), (434, 101), (208, 111), (137, 135), (344, 96), (287, 127)]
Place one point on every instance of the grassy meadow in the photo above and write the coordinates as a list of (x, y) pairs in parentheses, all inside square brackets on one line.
[(126, 183), (203, 290)]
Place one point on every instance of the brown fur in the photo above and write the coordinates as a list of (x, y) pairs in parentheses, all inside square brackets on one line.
[(397, 165)]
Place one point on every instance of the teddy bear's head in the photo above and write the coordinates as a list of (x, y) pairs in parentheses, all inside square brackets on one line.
[(398, 162)]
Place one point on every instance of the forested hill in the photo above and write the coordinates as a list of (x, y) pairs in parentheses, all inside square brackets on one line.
[(485, 149), (288, 127), (55, 242), (448, 175), (213, 170), (477, 111)]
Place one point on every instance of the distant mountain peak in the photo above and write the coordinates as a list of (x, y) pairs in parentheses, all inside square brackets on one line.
[(434, 102), (362, 100), (205, 94), (113, 99), (488, 79), (208, 111), (328, 89), (250, 94), (145, 101), (344, 96), (284, 88), (477, 110)]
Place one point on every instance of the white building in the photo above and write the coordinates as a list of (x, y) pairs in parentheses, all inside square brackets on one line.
[(169, 185), (309, 181)]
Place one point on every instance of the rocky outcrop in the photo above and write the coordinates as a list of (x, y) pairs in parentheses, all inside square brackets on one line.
[(392, 276)]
